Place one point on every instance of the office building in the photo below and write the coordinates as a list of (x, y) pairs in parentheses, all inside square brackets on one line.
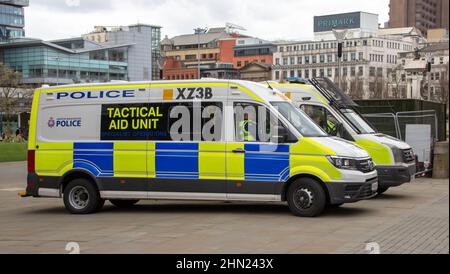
[(143, 55), (67, 61), (369, 54), (422, 14), (411, 78), (213, 48), (12, 19)]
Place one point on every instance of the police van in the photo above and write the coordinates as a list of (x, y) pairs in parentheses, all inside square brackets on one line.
[(210, 140), (338, 115)]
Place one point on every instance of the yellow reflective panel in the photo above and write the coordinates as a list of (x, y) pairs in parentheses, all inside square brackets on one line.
[(130, 159), (380, 154), (151, 160), (311, 147), (235, 162), (212, 161), (54, 159), (318, 166), (33, 122)]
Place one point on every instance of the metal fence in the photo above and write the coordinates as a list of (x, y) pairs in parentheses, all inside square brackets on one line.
[(417, 128)]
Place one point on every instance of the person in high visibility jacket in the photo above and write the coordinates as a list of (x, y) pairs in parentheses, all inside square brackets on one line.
[(245, 126), (329, 126)]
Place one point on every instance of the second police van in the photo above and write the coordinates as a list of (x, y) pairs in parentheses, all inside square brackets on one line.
[(338, 115), (212, 140)]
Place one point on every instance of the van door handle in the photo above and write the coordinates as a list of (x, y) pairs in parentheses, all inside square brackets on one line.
[(239, 150)]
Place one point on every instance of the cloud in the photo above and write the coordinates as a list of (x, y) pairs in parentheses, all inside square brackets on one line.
[(267, 19), (72, 6)]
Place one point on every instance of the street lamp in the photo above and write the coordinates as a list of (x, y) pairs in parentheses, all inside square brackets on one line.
[(340, 36), (57, 69), (199, 31)]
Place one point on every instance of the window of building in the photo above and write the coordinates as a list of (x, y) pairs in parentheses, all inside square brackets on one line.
[(277, 75), (285, 61), (329, 72), (277, 61), (314, 73), (372, 71), (360, 71), (300, 60), (352, 71), (314, 59), (322, 58), (380, 72), (292, 60), (306, 59), (329, 58)]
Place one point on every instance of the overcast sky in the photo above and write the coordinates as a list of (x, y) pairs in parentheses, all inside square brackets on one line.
[(267, 19)]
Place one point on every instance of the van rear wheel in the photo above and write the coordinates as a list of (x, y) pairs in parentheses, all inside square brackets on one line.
[(306, 198), (81, 197), (124, 203)]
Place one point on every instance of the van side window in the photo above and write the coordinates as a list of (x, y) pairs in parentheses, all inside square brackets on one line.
[(205, 121), (322, 117), (253, 123)]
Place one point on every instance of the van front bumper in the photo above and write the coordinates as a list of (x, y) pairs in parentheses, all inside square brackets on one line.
[(392, 176), (342, 193)]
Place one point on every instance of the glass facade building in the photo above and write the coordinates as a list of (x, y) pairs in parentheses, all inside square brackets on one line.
[(42, 62), (12, 19)]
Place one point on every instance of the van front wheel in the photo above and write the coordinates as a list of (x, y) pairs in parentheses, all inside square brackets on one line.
[(306, 198), (81, 197)]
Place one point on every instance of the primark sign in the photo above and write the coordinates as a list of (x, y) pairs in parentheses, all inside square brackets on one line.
[(337, 21)]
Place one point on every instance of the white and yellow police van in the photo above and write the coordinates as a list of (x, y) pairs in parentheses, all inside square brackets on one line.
[(211, 140), (337, 114)]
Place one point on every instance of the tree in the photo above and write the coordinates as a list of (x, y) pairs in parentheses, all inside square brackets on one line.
[(356, 88), (11, 93)]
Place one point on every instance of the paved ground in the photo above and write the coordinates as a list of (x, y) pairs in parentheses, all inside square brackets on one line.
[(411, 219)]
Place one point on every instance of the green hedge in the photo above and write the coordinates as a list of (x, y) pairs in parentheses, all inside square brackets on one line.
[(13, 152)]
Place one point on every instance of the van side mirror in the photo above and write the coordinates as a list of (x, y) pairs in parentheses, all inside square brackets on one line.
[(280, 136)]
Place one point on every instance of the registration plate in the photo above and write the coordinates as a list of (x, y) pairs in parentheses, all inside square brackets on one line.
[(375, 187)]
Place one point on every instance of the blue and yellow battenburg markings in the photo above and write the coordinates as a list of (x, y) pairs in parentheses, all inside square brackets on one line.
[(98, 158), (267, 163), (177, 161)]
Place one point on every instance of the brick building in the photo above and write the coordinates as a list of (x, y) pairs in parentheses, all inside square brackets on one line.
[(422, 14)]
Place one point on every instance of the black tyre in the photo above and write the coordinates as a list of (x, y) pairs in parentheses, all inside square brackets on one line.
[(382, 190), (306, 198), (124, 203), (82, 197)]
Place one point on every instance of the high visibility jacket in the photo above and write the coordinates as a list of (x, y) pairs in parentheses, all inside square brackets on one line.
[(245, 131)]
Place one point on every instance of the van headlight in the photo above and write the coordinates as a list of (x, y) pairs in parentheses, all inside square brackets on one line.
[(343, 163)]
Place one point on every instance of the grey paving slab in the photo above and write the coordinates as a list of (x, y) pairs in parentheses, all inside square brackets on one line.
[(410, 219)]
